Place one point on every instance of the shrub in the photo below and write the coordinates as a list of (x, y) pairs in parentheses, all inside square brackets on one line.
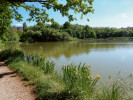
[(10, 55), (12, 35)]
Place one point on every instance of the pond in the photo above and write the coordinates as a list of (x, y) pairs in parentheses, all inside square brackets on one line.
[(106, 57)]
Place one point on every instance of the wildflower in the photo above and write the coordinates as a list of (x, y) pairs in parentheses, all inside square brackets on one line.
[(98, 76), (86, 69), (63, 64), (90, 76), (91, 73), (68, 67), (87, 65)]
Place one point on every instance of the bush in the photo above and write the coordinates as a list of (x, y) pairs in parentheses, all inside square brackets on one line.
[(12, 35), (10, 55), (1, 45)]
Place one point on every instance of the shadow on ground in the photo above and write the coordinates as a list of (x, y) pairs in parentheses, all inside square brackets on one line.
[(8, 73), (3, 64)]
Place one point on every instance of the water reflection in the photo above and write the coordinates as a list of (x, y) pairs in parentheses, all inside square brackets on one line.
[(68, 49), (106, 57)]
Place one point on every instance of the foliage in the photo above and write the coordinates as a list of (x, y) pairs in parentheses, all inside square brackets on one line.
[(55, 25), (39, 34), (30, 36), (1, 45), (24, 26), (9, 10), (11, 55), (66, 25), (42, 32), (6, 14), (107, 32), (13, 35), (54, 32), (88, 32), (46, 65), (80, 79)]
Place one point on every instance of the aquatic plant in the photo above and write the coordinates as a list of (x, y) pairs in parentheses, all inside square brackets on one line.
[(80, 79), (46, 65)]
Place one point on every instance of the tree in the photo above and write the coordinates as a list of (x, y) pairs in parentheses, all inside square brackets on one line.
[(88, 32), (66, 25), (9, 10), (5, 19), (24, 26), (55, 25)]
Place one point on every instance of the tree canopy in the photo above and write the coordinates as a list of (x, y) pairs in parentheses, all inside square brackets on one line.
[(9, 10)]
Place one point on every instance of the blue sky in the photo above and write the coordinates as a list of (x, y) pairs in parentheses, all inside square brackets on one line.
[(108, 13)]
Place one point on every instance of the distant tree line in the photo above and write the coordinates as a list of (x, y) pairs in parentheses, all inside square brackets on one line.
[(106, 32), (55, 32)]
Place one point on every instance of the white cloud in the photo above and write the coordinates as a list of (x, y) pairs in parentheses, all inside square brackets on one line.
[(49, 23), (124, 15), (128, 24), (18, 24)]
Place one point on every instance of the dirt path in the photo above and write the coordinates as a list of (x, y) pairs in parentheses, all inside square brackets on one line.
[(12, 87)]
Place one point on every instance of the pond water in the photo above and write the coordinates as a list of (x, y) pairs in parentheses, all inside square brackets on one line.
[(106, 57)]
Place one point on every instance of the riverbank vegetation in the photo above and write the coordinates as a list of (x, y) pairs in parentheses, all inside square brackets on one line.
[(66, 32), (74, 82)]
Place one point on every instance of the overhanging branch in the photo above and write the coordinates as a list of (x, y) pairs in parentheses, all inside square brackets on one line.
[(40, 1)]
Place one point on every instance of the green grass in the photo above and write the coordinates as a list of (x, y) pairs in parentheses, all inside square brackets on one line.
[(45, 83), (47, 66), (74, 83)]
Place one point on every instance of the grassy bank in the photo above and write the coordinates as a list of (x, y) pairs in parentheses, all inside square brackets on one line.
[(74, 83)]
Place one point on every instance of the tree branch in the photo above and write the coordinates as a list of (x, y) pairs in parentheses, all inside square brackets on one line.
[(40, 1)]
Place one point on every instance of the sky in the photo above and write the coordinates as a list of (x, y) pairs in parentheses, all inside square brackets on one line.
[(108, 13)]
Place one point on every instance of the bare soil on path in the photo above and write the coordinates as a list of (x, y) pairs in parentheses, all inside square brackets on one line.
[(12, 87)]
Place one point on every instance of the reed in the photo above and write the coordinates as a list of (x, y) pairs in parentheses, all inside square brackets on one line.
[(47, 66)]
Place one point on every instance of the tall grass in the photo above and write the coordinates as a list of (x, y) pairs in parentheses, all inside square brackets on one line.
[(46, 86), (118, 89), (80, 80), (36, 60)]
